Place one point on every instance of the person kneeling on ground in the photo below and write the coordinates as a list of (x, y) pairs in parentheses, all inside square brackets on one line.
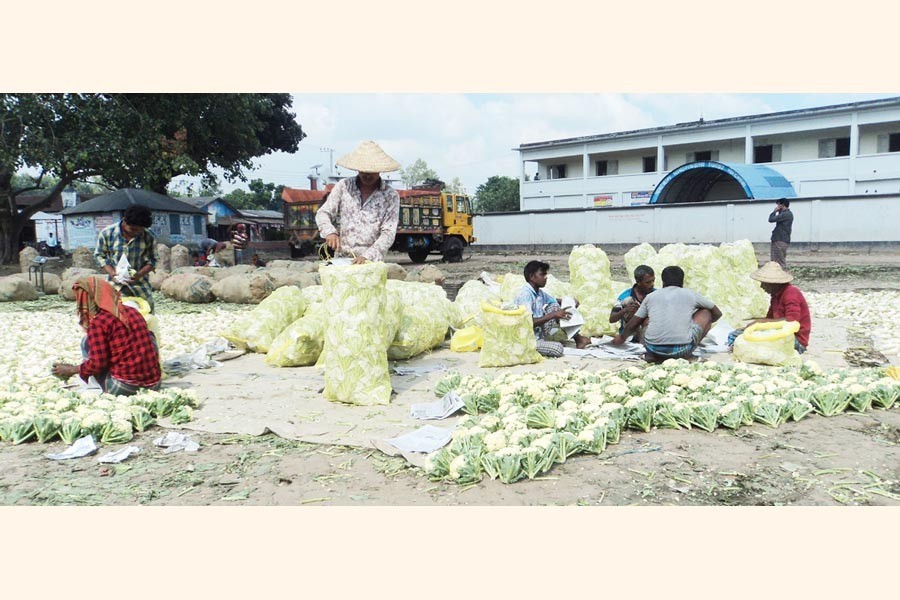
[(545, 310), (119, 350), (786, 304), (630, 300), (679, 319)]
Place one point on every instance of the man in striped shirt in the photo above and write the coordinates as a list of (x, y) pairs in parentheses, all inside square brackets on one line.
[(130, 237)]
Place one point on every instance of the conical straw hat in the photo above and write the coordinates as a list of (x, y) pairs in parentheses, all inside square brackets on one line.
[(771, 272), (368, 158)]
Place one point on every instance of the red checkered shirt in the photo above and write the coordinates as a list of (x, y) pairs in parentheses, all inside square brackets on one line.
[(128, 354)]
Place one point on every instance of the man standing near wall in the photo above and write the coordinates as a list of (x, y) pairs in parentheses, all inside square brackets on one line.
[(781, 235)]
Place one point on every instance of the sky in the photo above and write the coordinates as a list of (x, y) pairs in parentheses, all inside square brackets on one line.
[(473, 136)]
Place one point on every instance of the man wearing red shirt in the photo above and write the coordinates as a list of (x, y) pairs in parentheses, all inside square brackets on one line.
[(786, 304), (119, 350)]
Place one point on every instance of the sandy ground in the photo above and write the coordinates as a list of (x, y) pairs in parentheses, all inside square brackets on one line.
[(849, 459)]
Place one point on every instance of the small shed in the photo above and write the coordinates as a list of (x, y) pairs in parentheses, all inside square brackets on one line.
[(174, 221)]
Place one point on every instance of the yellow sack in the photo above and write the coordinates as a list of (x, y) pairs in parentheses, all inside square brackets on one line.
[(768, 344), (468, 339), (143, 307), (508, 337)]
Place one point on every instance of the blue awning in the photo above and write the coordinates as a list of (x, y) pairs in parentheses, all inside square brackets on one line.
[(706, 181)]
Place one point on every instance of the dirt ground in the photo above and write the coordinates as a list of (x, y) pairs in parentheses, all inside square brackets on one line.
[(849, 459)]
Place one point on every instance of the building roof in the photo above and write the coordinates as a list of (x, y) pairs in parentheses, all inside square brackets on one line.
[(262, 214), (26, 200), (730, 121), (121, 199), (692, 182), (294, 196)]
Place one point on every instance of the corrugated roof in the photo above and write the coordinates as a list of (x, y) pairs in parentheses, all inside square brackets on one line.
[(692, 182), (121, 199), (262, 214), (849, 106), (293, 195)]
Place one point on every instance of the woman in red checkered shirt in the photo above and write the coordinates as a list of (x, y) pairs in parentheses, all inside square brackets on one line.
[(120, 352)]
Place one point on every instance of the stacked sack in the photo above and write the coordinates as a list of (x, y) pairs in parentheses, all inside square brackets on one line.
[(721, 273), (593, 287)]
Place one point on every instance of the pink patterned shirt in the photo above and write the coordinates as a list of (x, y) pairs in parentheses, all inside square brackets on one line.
[(367, 228)]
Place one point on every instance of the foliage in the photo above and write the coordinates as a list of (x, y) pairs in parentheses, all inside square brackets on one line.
[(498, 193), (417, 173), (261, 196), (131, 140)]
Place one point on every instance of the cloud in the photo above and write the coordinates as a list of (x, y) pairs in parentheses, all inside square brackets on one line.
[(472, 136)]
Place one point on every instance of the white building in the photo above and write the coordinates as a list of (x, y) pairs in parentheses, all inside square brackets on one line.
[(843, 150)]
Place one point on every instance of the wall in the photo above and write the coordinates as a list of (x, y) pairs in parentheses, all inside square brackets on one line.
[(815, 221), (82, 230)]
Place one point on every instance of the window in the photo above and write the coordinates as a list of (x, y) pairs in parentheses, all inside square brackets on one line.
[(831, 147), (607, 167), (198, 225), (649, 164), (767, 153), (701, 155), (889, 142), (461, 204), (449, 203), (174, 224), (557, 171)]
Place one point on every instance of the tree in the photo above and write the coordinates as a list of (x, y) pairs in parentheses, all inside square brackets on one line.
[(498, 193), (261, 196), (131, 140), (455, 186), (416, 173)]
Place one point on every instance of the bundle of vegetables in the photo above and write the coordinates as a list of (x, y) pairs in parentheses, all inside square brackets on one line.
[(876, 311), (68, 415), (520, 424), (592, 285), (359, 328), (508, 336), (301, 343), (466, 309), (424, 319), (258, 328), (719, 273)]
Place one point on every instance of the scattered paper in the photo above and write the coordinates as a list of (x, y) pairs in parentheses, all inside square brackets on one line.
[(175, 442), (439, 409), (82, 447), (573, 324), (198, 359), (604, 348), (119, 455), (425, 439)]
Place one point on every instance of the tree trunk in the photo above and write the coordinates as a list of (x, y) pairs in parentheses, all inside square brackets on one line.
[(9, 238)]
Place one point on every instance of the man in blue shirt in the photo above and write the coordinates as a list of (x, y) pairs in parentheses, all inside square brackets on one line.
[(545, 311), (630, 300)]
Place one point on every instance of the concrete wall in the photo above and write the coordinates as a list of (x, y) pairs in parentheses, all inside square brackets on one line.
[(82, 230), (816, 221)]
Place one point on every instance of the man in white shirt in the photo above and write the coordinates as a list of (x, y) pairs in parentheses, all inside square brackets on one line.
[(361, 213)]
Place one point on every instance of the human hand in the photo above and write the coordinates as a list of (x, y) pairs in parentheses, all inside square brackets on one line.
[(561, 314), (360, 260), (333, 241), (618, 340), (64, 371)]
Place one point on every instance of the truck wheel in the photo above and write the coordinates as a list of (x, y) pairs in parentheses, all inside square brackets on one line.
[(453, 249), (418, 255)]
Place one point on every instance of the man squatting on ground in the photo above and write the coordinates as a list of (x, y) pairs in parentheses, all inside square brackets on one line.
[(630, 300), (679, 318), (545, 311)]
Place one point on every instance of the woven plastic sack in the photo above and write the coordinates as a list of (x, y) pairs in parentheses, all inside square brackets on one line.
[(510, 286), (424, 318), (592, 284), (768, 344), (251, 288), (301, 343), (356, 334), (188, 287), (466, 308), (508, 337), (467, 339), (180, 256), (258, 329), (14, 289)]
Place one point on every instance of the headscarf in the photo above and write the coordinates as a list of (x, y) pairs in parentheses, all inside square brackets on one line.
[(92, 295)]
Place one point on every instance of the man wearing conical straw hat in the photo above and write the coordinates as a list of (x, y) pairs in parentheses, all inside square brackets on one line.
[(786, 303), (361, 213)]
